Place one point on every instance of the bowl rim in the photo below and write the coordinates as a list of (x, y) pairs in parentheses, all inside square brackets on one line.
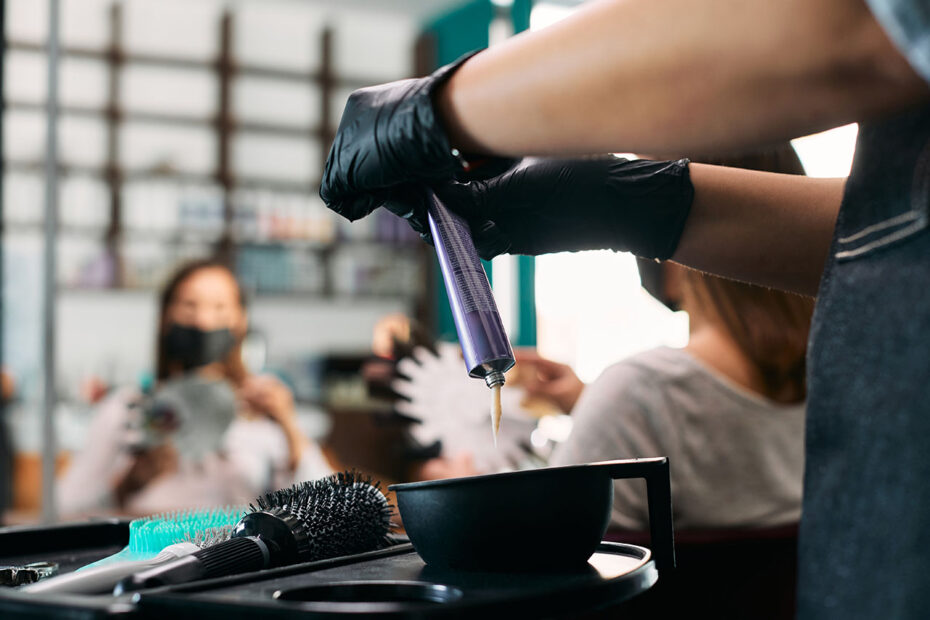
[(523, 473)]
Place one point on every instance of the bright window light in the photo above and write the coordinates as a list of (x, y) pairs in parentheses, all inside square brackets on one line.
[(505, 289), (828, 153), (592, 312), (545, 14)]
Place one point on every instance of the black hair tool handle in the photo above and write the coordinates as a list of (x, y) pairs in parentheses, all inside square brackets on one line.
[(659, 495), (236, 555), (260, 540)]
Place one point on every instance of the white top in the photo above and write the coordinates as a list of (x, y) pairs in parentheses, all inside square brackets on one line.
[(253, 461), (736, 458)]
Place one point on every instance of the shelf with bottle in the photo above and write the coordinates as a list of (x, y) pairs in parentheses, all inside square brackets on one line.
[(348, 271), (169, 205), (264, 270), (376, 269), (264, 216), (283, 242)]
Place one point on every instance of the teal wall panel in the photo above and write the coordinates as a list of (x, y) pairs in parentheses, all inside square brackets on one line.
[(526, 265), (458, 32)]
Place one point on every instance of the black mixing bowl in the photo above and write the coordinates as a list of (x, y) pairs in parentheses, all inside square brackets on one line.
[(542, 519)]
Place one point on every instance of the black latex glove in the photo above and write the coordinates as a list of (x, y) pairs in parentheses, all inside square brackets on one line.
[(389, 140), (550, 205)]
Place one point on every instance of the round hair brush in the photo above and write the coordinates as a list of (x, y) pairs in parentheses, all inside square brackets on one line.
[(342, 514), (101, 578)]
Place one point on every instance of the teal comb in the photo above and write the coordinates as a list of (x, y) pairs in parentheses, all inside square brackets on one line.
[(149, 535)]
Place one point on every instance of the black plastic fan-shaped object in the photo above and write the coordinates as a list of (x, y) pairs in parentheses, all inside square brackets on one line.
[(342, 514)]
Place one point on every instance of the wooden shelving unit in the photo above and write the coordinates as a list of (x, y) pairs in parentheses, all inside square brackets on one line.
[(224, 127)]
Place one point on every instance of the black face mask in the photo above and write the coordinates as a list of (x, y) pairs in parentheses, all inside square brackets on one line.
[(193, 347)]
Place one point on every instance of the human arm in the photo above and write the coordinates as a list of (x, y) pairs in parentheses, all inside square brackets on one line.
[(766, 228), (677, 76), (87, 484), (760, 227)]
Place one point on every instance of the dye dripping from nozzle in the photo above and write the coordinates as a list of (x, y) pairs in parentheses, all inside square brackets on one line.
[(478, 324), (495, 381)]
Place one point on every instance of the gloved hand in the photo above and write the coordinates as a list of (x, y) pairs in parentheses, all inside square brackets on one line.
[(554, 205), (390, 140)]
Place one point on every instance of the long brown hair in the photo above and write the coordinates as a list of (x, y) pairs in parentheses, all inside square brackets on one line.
[(769, 326), (233, 367)]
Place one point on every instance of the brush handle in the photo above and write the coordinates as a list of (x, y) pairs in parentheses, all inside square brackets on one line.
[(263, 539), (237, 555), (100, 579)]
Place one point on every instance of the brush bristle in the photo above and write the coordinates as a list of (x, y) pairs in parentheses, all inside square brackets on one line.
[(152, 534), (344, 514), (210, 537)]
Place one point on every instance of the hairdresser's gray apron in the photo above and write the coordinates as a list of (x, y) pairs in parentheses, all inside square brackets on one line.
[(865, 527)]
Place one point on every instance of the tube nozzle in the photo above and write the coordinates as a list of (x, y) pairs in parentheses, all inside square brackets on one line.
[(495, 377)]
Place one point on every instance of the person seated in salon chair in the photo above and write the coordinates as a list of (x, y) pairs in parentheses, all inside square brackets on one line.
[(210, 433)]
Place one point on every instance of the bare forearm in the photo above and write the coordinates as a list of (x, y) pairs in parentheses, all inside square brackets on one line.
[(760, 227), (681, 76)]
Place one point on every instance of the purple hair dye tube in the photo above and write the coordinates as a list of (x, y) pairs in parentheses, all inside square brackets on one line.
[(477, 321)]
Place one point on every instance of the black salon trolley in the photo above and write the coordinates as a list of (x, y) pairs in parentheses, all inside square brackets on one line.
[(390, 583)]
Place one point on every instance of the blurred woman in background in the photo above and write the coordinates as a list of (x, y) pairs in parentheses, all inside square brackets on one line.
[(210, 432)]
